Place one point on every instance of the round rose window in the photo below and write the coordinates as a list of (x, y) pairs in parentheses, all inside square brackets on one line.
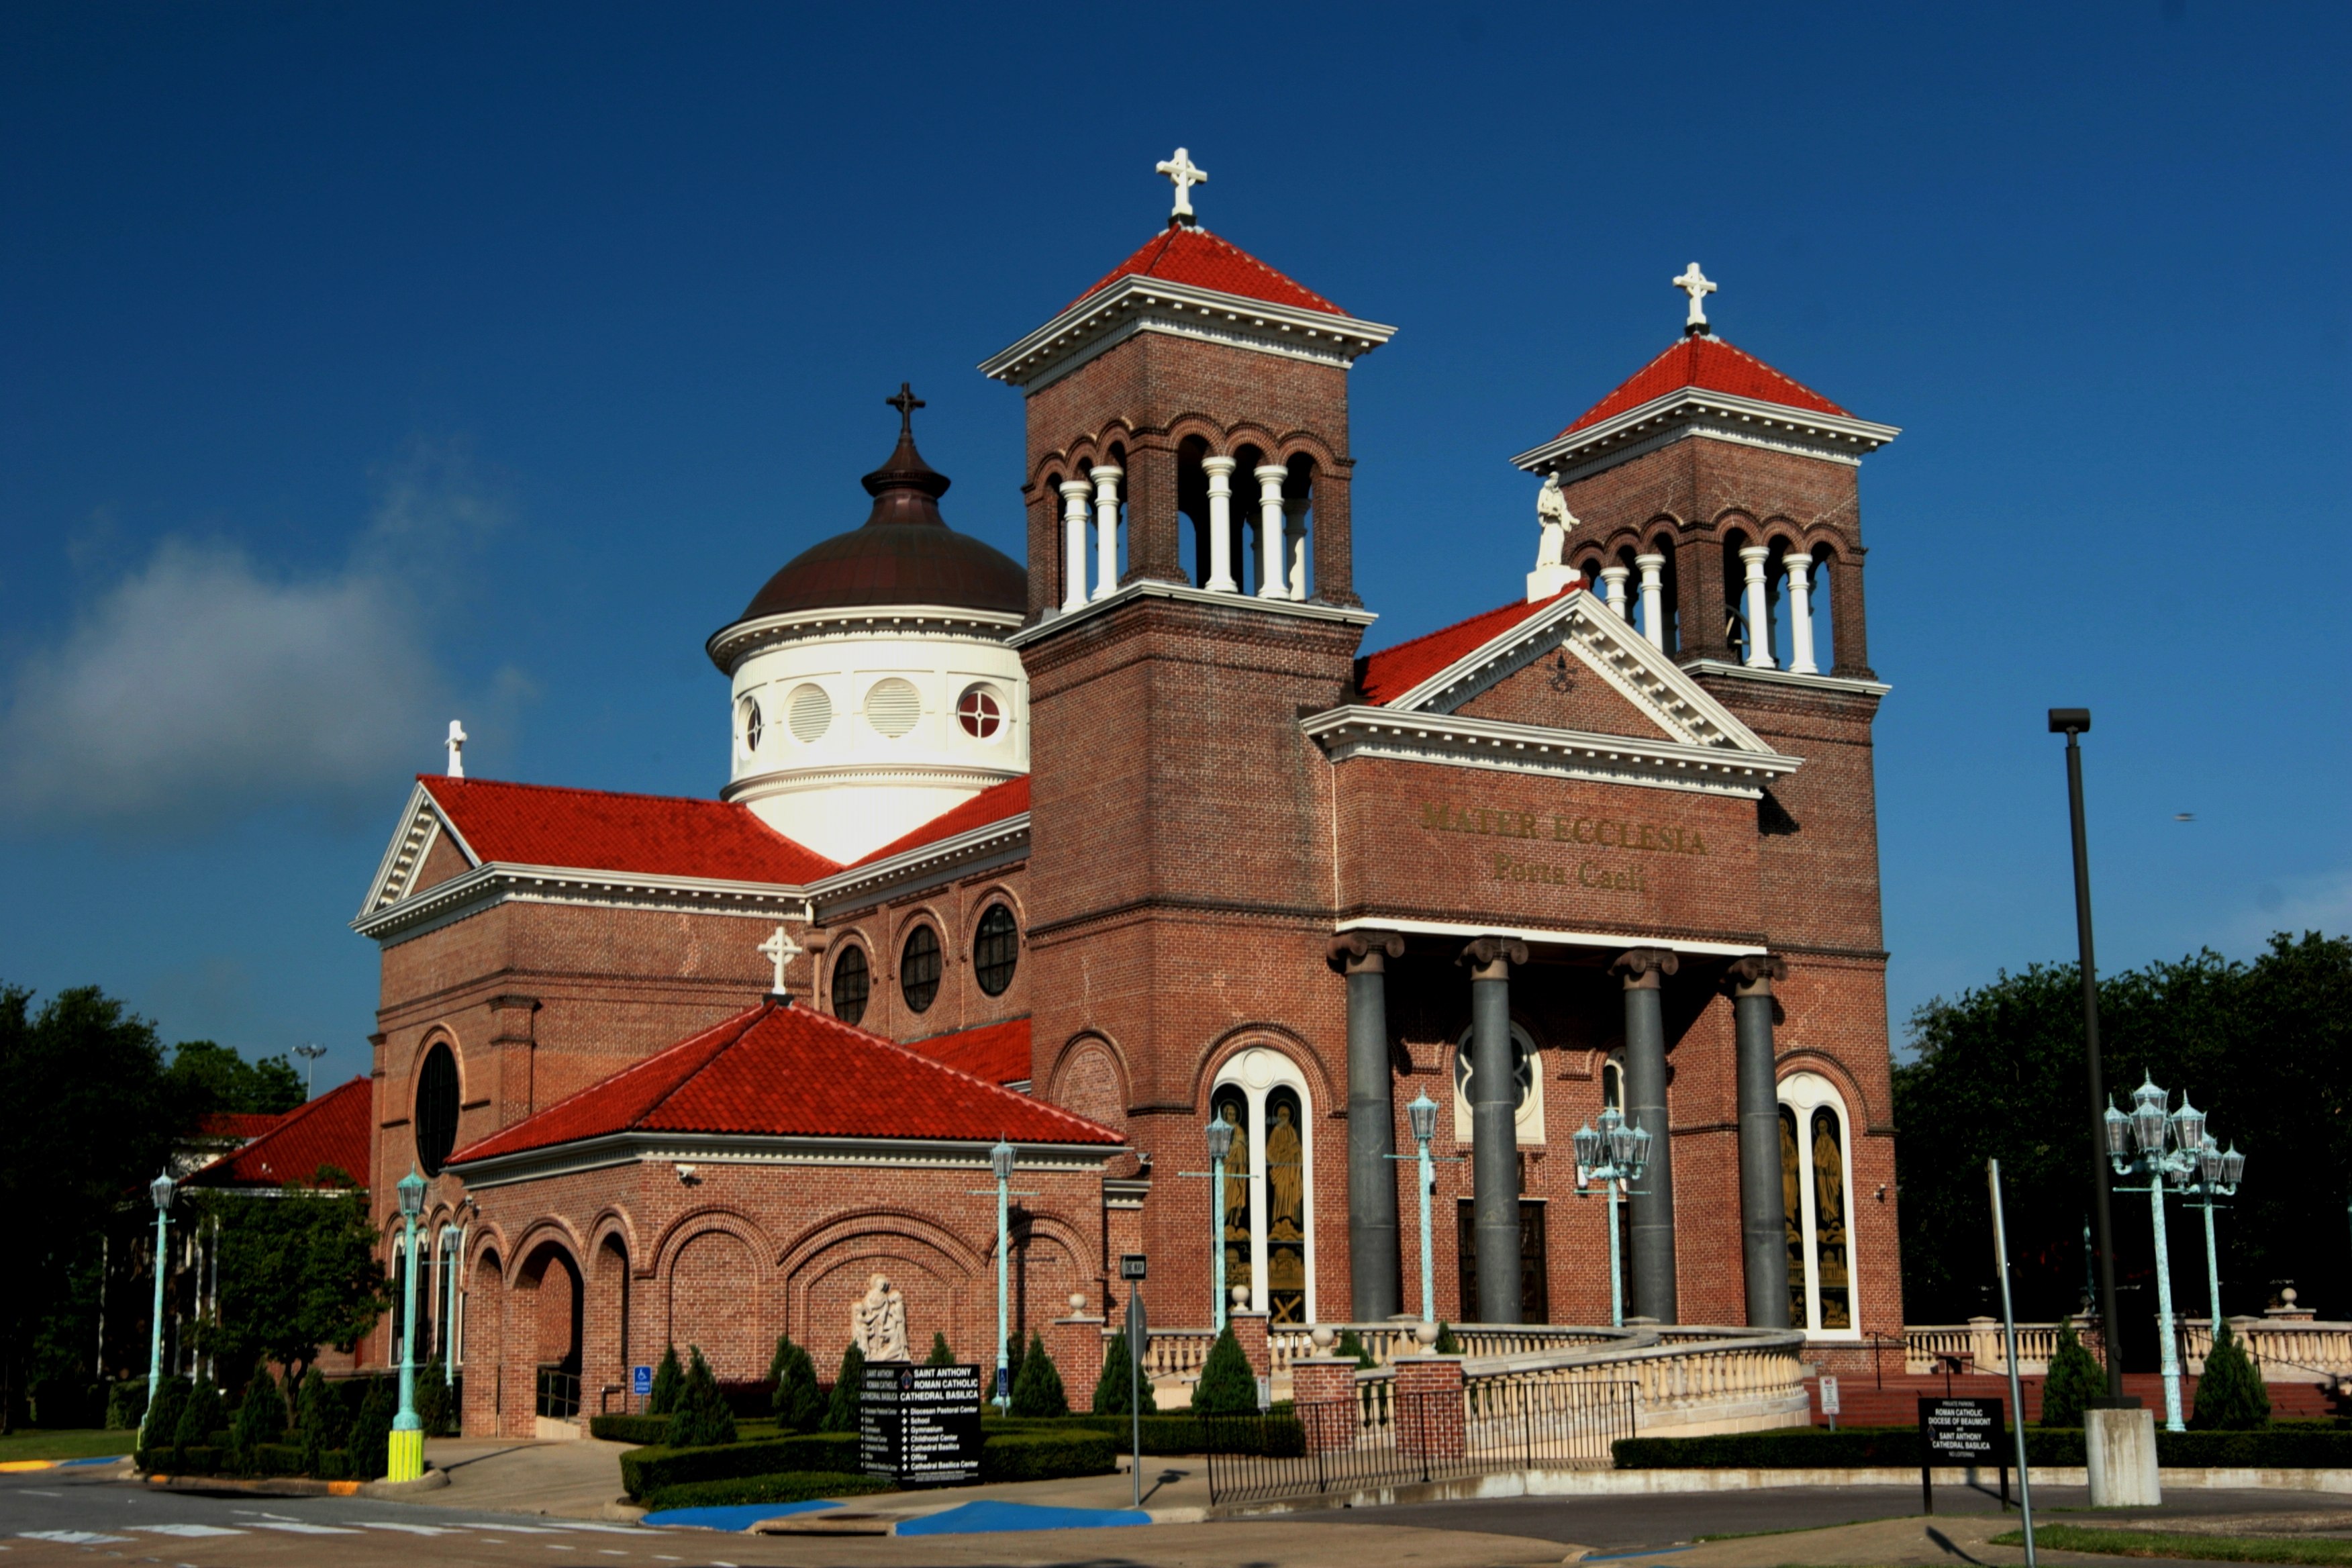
[(980, 713)]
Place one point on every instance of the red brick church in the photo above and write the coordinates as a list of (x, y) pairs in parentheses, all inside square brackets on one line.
[(1085, 855)]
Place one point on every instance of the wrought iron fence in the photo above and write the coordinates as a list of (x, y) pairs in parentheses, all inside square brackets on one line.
[(558, 1393), (1384, 1438)]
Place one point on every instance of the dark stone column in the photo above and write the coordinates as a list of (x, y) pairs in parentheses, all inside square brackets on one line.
[(1652, 1198), (1763, 1222), (1494, 1135), (1374, 1277)]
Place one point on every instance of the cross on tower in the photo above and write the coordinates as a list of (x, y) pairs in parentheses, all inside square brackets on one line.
[(905, 403), (455, 745), (1693, 283), (1184, 173), (782, 950)]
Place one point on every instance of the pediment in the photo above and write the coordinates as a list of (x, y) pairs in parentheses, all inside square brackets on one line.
[(425, 850)]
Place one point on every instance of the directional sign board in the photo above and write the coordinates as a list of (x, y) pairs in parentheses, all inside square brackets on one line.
[(1959, 1432), (1130, 1265), (919, 1425)]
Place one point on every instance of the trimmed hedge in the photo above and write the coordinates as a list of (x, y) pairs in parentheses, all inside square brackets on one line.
[(789, 1486), (1182, 1434), (1046, 1455), (2288, 1446), (656, 1468), (639, 1429)]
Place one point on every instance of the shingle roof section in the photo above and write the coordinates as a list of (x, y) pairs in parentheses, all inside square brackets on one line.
[(993, 803), (244, 1126), (998, 1053), (1712, 366), (598, 830), (779, 1071), (331, 1131), (1194, 256), (1385, 676)]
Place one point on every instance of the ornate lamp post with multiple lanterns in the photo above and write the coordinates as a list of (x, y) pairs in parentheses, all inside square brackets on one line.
[(1613, 1155), (2164, 1145)]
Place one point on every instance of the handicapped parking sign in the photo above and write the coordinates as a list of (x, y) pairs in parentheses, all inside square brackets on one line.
[(641, 1381)]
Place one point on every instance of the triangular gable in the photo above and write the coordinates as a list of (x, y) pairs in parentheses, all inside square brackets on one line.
[(1656, 697), (422, 826)]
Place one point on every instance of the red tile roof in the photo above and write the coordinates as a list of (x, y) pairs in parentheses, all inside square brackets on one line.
[(1712, 366), (993, 803), (244, 1126), (782, 1072), (597, 830), (1385, 676), (1196, 257), (996, 1052), (330, 1131)]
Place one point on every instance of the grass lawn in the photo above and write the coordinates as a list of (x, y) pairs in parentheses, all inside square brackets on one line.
[(64, 1443), (2322, 1550)]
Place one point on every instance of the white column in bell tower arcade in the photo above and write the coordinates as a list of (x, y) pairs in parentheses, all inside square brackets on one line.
[(1294, 513), (1271, 576), (1800, 615), (1106, 478), (1760, 610), (1221, 524), (1612, 590), (1073, 541), (1653, 599)]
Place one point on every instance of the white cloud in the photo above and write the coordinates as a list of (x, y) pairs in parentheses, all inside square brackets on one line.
[(204, 685)]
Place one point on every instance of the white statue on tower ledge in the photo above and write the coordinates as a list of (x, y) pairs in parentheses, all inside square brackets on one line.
[(878, 1323), (1551, 574)]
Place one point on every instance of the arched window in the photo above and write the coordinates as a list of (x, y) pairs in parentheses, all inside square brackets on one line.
[(436, 1123), (850, 982), (1266, 1214), (750, 726), (1612, 1082), (1817, 1194), (996, 950), (1527, 1089), (918, 969)]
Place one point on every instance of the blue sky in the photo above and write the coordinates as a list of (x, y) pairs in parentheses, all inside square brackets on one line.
[(365, 365)]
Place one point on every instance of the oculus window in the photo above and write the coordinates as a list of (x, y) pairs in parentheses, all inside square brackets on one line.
[(918, 969), (851, 984), (436, 1123), (996, 950), (750, 725), (980, 712)]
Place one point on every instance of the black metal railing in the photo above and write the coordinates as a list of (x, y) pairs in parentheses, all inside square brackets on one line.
[(559, 1392), (1388, 1437)]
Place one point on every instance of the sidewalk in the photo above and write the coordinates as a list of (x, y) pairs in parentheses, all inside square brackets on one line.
[(577, 1480)]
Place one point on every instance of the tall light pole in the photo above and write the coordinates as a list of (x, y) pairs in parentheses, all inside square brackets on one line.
[(160, 1189), (1422, 1115), (2162, 1145), (2218, 1175), (1613, 1154), (309, 1054), (2073, 723), (1220, 1144), (1000, 1161), (408, 1433)]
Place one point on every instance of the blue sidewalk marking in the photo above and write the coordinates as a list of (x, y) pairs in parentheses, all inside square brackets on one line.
[(1654, 1552), (102, 1459), (733, 1517), (989, 1516)]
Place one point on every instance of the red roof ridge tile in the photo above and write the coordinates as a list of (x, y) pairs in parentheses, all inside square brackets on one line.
[(1044, 1105), (1376, 674), (290, 1122), (616, 830), (1195, 257), (993, 805), (1707, 363)]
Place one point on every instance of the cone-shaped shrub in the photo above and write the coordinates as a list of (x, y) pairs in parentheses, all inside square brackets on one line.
[(1038, 1390), (260, 1418), (841, 1414), (670, 1382), (371, 1439), (940, 1354), (1446, 1344), (436, 1411), (201, 1417), (701, 1419), (2230, 1396), (1227, 1386), (1115, 1388), (798, 1404), (320, 1421), (1012, 1354), (2075, 1379), (162, 1428)]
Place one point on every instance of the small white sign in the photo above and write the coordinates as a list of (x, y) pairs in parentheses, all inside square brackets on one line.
[(1829, 1396)]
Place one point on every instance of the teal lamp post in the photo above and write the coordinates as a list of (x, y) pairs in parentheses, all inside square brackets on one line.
[(1000, 1161), (2218, 1171), (2161, 1144), (1613, 1154), (160, 1190), (1422, 1117), (407, 1432), (1220, 1144)]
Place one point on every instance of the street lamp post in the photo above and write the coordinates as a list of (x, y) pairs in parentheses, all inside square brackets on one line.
[(1220, 1144), (1000, 1163), (160, 1189), (408, 1452), (1613, 1155), (2167, 1145), (1422, 1115), (2218, 1171)]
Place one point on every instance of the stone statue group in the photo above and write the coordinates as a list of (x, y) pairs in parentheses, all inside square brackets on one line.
[(878, 1321)]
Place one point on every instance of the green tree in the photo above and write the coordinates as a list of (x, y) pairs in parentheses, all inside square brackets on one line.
[(670, 1382), (1014, 1351), (1038, 1390), (297, 1271), (799, 1405), (321, 1423), (260, 1416), (370, 1438), (1446, 1344), (85, 1122), (435, 1408), (2075, 1379), (160, 1428), (841, 1414), (206, 1077), (1114, 1390), (702, 1420), (1227, 1385), (940, 1354), (2230, 1395), (203, 1415)]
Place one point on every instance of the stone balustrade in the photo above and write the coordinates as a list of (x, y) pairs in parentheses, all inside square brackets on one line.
[(1688, 1380), (1178, 1353), (2287, 1348)]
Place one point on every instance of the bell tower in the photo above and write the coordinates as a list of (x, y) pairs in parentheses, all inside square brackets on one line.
[(1190, 596)]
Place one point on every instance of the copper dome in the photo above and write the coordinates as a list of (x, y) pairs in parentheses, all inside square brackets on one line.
[(904, 552)]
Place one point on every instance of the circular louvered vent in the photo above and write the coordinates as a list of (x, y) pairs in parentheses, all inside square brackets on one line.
[(811, 713), (892, 706)]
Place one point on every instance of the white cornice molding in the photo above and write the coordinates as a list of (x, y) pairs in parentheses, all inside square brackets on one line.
[(1184, 593), (1004, 839), (1133, 304), (1845, 683), (1694, 411), (1454, 740), (497, 882), (731, 644), (784, 779), (422, 821), (1551, 934), (740, 1149)]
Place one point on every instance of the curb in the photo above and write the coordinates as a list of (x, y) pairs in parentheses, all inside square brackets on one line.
[(393, 1491)]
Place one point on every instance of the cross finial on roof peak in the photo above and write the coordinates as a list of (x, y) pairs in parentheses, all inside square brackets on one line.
[(1184, 173), (456, 747), (782, 950), (1695, 283), (905, 403)]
